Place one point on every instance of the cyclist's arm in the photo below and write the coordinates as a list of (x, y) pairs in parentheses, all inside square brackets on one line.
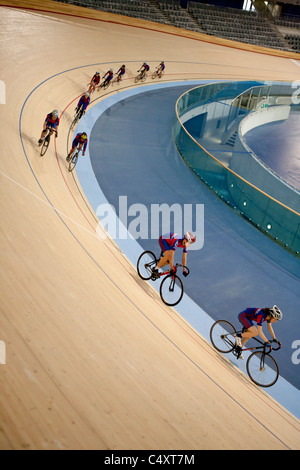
[(184, 258), (271, 331)]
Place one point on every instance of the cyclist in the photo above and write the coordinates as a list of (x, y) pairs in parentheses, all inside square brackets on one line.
[(83, 104), (94, 82), (109, 76), (120, 73), (144, 69), (168, 243), (160, 69), (80, 140), (258, 315), (51, 122)]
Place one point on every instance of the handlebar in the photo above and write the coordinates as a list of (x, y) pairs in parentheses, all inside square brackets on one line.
[(278, 345), (181, 266)]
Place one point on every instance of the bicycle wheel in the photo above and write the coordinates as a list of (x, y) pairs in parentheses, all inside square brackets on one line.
[(222, 336), (171, 290), (155, 74), (145, 263), (73, 161), (262, 369), (45, 145)]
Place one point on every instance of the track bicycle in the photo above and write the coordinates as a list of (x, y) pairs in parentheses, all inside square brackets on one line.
[(158, 74), (72, 159), (105, 84), (171, 288), (117, 79), (77, 117), (261, 366), (46, 141), (141, 77), (92, 87)]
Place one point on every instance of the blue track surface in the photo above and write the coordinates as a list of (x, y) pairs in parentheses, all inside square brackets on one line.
[(132, 154), (278, 145)]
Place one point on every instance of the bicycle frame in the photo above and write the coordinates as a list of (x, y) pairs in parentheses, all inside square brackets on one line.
[(263, 346)]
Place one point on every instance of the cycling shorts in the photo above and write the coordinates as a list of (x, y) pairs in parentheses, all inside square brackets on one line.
[(164, 245), (246, 322), (52, 125)]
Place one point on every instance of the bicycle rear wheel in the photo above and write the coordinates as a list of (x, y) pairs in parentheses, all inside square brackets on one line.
[(262, 369), (171, 290), (146, 262), (222, 336), (73, 161)]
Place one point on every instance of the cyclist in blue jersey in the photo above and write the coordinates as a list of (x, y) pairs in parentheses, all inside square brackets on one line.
[(168, 243), (161, 68), (120, 73), (81, 141), (108, 77), (144, 69), (83, 104), (52, 123), (259, 316)]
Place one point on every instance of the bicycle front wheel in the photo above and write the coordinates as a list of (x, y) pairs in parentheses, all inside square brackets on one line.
[(171, 290), (222, 336), (146, 262), (262, 369)]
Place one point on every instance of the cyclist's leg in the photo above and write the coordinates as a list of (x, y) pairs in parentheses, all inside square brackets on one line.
[(166, 259), (71, 153), (44, 132), (250, 329)]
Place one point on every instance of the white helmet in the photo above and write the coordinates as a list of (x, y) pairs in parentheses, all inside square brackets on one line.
[(55, 113), (190, 237), (275, 312)]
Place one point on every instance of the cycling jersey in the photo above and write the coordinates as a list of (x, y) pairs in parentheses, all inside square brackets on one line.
[(162, 66), (51, 121), (95, 79), (84, 101), (109, 76), (171, 241), (121, 71), (250, 315), (79, 140)]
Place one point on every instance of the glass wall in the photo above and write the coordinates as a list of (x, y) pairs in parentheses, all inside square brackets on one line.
[(273, 217)]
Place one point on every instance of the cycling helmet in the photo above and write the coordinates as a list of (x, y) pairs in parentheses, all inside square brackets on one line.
[(190, 237), (55, 113), (123, 66), (83, 136), (97, 73), (111, 70), (275, 312), (87, 94)]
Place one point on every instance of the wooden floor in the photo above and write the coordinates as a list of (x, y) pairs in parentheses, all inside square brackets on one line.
[(93, 358)]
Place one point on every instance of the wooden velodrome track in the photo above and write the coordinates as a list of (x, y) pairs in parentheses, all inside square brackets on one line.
[(93, 358)]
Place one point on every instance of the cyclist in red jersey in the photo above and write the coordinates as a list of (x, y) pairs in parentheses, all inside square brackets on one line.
[(51, 122), (257, 315), (94, 82), (168, 243)]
